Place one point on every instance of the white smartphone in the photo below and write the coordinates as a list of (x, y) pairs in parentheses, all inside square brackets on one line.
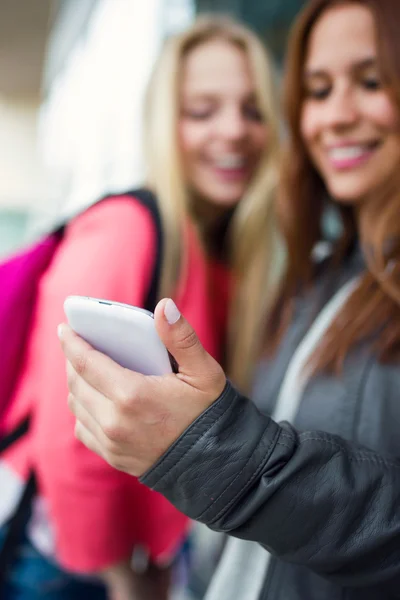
[(126, 334)]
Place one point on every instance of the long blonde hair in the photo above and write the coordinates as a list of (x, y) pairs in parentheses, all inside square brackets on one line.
[(252, 229)]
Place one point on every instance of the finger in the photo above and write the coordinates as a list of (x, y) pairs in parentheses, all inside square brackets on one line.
[(117, 461), (95, 403), (107, 428), (97, 369), (85, 417), (182, 342), (88, 439)]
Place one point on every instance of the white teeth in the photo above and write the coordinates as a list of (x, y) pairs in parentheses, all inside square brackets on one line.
[(230, 162), (347, 152)]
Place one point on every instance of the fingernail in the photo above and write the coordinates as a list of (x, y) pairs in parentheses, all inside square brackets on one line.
[(60, 330), (171, 312)]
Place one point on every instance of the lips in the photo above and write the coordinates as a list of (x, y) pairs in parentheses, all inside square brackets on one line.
[(230, 168), (351, 155), (230, 161)]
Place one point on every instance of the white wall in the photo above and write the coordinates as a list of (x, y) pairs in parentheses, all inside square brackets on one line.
[(22, 181), (91, 118), (23, 186)]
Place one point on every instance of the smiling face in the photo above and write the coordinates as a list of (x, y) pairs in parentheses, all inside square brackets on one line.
[(221, 131), (349, 123)]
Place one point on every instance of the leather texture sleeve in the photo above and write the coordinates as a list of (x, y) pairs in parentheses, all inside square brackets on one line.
[(310, 498)]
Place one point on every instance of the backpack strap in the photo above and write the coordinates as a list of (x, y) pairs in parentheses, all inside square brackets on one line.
[(149, 200), (16, 526), (15, 434)]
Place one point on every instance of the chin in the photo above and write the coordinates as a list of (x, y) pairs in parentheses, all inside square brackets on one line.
[(347, 194), (226, 200)]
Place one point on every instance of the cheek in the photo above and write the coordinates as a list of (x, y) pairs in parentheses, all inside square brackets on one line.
[(191, 139), (185, 138), (259, 138), (383, 112), (308, 123)]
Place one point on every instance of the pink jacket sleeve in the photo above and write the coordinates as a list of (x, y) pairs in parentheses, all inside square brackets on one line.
[(98, 513)]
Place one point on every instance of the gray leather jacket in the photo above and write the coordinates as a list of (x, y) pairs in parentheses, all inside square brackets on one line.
[(323, 496)]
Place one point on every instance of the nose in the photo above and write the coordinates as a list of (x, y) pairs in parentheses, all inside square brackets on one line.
[(232, 125), (341, 110)]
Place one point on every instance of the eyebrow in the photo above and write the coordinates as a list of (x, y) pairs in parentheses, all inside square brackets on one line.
[(199, 96), (357, 66), (207, 96)]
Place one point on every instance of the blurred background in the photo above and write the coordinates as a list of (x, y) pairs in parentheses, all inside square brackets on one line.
[(72, 77)]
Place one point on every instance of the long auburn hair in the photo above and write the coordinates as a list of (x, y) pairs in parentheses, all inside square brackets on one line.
[(253, 236), (374, 306)]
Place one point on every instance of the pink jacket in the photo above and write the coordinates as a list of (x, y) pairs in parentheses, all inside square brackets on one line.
[(97, 514)]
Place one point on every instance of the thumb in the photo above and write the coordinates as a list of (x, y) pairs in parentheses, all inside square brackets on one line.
[(196, 366)]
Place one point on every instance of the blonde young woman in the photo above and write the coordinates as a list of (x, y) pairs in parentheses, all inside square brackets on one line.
[(212, 152)]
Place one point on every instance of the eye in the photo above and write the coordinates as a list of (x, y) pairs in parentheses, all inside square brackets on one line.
[(253, 113), (372, 83), (319, 93), (198, 115)]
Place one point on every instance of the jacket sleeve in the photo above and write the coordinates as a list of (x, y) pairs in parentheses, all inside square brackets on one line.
[(107, 252), (309, 498)]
